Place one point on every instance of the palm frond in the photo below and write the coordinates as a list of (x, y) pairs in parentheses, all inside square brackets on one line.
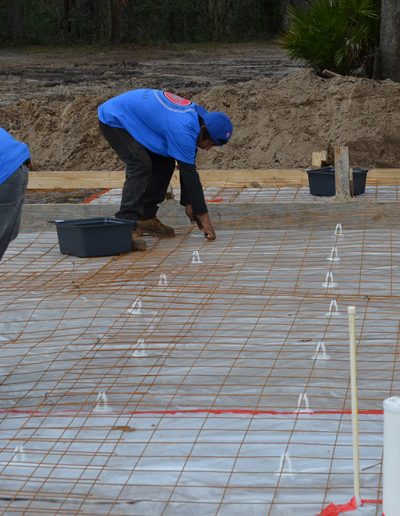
[(334, 34)]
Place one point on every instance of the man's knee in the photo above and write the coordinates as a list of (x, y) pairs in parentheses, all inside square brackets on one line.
[(138, 168)]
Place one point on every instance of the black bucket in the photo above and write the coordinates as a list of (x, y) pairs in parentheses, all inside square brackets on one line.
[(101, 236), (322, 181)]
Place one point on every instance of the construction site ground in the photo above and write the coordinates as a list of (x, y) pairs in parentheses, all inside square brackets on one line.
[(204, 378), (196, 378)]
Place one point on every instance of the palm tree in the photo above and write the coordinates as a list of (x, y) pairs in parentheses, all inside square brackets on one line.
[(339, 35)]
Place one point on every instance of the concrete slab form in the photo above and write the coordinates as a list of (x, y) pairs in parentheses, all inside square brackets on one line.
[(245, 208), (171, 382)]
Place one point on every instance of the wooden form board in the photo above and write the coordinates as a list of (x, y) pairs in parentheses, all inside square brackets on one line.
[(71, 180)]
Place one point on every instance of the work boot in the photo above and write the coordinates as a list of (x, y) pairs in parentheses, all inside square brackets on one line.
[(138, 243), (155, 228)]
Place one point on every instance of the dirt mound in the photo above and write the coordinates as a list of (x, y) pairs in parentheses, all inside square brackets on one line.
[(278, 124)]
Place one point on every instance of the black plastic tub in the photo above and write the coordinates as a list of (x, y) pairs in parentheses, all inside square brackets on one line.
[(322, 181), (102, 236)]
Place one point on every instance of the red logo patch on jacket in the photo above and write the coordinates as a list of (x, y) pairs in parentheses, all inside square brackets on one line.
[(176, 99)]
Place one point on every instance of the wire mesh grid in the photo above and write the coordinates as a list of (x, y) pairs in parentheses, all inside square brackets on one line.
[(238, 193), (195, 378)]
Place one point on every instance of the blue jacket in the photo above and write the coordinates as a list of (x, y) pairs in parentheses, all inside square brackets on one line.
[(164, 123), (12, 155)]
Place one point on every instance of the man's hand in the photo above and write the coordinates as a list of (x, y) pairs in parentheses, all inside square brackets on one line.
[(204, 223)]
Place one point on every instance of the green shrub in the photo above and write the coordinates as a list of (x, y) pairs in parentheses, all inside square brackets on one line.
[(339, 35)]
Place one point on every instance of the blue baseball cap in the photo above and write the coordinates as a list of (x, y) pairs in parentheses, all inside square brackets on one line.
[(218, 124)]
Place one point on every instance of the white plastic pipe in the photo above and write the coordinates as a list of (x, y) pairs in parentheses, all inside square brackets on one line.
[(351, 310), (391, 456)]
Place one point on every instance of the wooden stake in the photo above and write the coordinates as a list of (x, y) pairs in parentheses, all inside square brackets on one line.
[(342, 173), (319, 159)]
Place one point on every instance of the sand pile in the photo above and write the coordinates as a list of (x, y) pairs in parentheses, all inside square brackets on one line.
[(278, 124)]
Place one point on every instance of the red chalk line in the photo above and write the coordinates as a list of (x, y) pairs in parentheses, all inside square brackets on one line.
[(248, 412), (94, 196), (331, 510)]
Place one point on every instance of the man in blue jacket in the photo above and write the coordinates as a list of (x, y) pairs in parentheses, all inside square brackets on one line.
[(13, 181), (150, 130)]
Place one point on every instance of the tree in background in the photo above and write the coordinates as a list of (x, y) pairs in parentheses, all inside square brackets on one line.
[(137, 21), (339, 35), (14, 12), (118, 13), (69, 6), (390, 40)]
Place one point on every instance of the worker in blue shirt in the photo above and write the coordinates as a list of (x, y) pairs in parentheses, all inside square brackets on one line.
[(150, 130), (14, 156)]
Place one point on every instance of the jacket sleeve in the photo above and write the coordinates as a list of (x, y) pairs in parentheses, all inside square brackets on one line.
[(191, 188)]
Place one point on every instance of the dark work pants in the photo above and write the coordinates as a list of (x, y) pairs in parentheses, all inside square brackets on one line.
[(12, 193), (147, 175)]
